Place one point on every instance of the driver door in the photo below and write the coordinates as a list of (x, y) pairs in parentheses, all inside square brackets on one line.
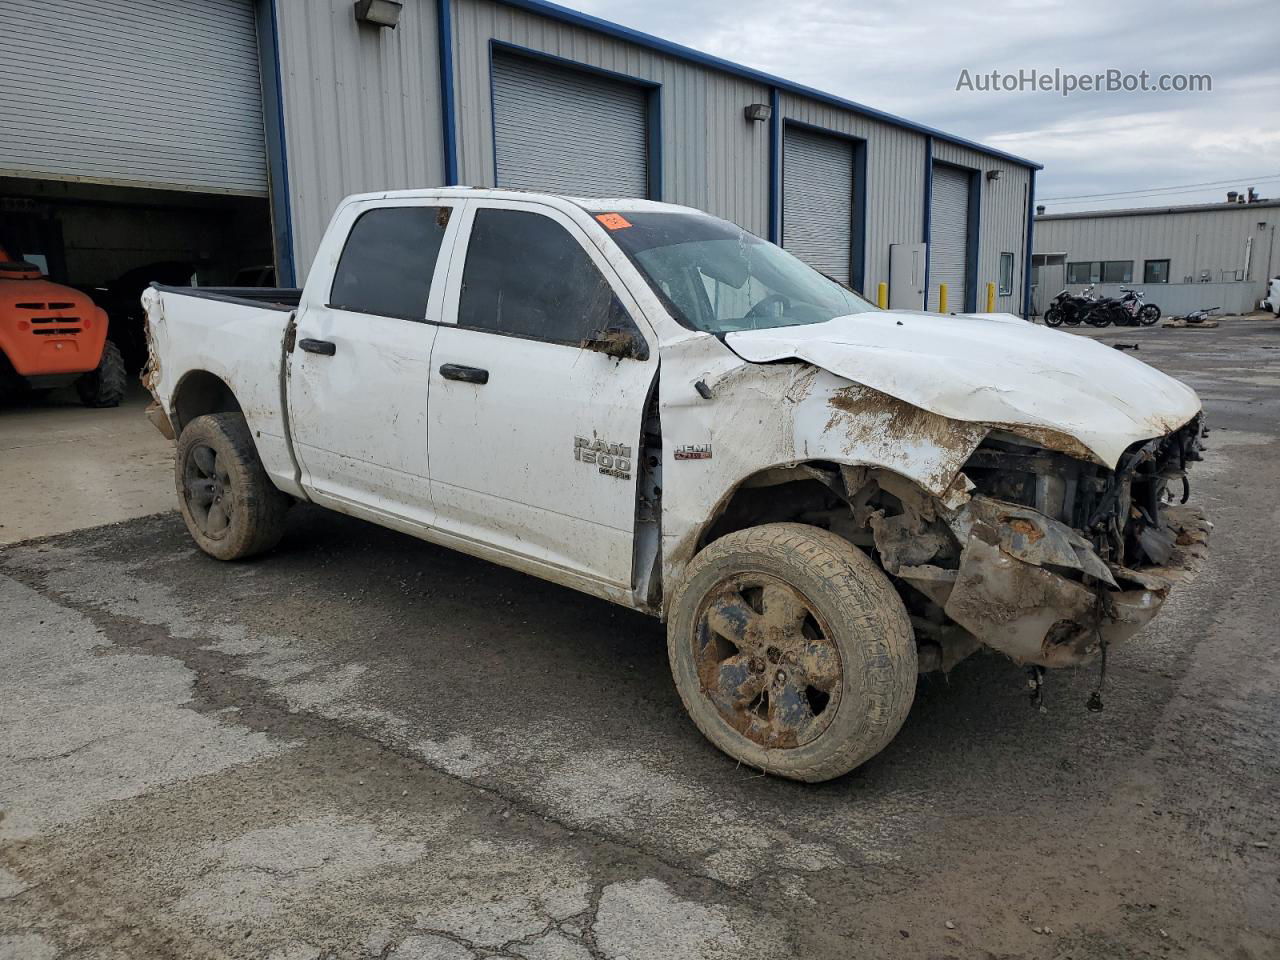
[(533, 438)]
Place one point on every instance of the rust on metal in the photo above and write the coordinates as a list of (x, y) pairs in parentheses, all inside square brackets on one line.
[(766, 661)]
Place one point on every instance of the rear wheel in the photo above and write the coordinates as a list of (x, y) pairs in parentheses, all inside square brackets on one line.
[(231, 507), (105, 386), (791, 651)]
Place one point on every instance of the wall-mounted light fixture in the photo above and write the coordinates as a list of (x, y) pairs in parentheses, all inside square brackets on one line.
[(993, 174), (380, 13), (757, 112)]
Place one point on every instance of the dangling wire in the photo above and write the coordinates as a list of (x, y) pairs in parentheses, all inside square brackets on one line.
[(1095, 698), (1035, 680)]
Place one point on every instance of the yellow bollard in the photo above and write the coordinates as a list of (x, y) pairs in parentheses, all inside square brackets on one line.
[(942, 298), (882, 296), (991, 298)]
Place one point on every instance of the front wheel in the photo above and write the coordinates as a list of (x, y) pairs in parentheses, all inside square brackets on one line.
[(1053, 317), (1098, 318), (231, 507), (791, 651), (105, 386), (1149, 315)]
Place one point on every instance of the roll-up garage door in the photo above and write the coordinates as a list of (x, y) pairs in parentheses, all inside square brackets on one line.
[(138, 92), (817, 201), (949, 236), (569, 131)]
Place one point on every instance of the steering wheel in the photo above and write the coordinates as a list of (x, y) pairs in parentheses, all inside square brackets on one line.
[(758, 309)]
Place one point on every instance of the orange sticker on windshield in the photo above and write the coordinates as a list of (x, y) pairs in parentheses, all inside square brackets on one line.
[(613, 221)]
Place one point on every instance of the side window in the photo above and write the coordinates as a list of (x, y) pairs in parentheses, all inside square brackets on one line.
[(387, 262), (1006, 273), (526, 275)]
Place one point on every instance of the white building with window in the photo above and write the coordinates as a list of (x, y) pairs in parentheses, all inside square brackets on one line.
[(1201, 255)]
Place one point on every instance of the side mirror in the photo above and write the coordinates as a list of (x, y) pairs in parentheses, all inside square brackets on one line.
[(621, 343)]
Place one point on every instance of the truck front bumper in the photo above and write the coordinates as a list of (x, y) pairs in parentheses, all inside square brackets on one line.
[(1014, 598)]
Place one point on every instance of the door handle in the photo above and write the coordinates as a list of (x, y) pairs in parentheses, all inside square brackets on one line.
[(326, 348), (455, 371)]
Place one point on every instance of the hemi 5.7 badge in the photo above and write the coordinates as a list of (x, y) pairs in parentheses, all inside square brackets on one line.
[(693, 451)]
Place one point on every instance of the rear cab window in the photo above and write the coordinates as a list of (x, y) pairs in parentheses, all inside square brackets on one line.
[(388, 261)]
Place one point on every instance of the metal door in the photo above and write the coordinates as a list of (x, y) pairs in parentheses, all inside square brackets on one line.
[(949, 236), (136, 92), (817, 201), (568, 131), (906, 276)]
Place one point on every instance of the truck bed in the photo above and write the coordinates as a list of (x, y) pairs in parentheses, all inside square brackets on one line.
[(273, 298)]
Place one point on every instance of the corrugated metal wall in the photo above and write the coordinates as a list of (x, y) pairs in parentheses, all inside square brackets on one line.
[(362, 112), (895, 178), (1194, 242), (569, 131), (712, 158), (141, 93), (361, 108), (817, 201), (1003, 227)]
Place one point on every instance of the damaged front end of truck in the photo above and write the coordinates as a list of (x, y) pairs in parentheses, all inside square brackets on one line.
[(1025, 491), (1038, 554)]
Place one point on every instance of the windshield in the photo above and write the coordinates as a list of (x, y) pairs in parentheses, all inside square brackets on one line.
[(716, 277)]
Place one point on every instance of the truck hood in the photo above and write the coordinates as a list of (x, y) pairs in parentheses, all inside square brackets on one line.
[(1006, 373)]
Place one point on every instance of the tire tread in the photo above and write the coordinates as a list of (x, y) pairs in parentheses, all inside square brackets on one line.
[(855, 586)]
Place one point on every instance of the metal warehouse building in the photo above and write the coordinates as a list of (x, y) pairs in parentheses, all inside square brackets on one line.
[(222, 133), (1184, 258)]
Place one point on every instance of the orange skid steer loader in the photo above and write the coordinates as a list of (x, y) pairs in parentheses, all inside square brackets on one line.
[(51, 335)]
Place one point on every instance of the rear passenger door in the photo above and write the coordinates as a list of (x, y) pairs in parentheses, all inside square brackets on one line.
[(360, 363), (533, 438)]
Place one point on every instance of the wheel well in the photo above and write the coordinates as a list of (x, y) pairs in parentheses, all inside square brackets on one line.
[(821, 494), (811, 493), (200, 392)]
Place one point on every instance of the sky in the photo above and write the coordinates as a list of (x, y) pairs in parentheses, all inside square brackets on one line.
[(908, 58)]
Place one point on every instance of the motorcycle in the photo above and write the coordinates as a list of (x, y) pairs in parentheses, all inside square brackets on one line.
[(1137, 310), (1065, 308), (1101, 311)]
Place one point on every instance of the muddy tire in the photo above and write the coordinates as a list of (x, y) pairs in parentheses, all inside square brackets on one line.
[(231, 508), (105, 386), (791, 651)]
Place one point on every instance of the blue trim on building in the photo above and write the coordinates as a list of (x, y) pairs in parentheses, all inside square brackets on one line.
[(564, 15), (858, 275), (653, 90), (277, 151), (653, 141), (448, 108), (775, 166), (1026, 253), (927, 231), (858, 173), (973, 243)]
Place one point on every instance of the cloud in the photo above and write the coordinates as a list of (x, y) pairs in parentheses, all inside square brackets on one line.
[(906, 57)]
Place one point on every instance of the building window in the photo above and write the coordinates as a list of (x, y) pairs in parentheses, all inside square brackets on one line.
[(1155, 271), (1084, 272), (1006, 273), (1117, 271), (1100, 271)]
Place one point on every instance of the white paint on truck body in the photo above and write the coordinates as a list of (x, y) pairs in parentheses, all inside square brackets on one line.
[(911, 393)]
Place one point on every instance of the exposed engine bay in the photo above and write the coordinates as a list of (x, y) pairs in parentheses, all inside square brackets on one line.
[(1044, 557)]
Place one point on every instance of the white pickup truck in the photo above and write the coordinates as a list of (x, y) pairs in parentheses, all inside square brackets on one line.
[(648, 404)]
